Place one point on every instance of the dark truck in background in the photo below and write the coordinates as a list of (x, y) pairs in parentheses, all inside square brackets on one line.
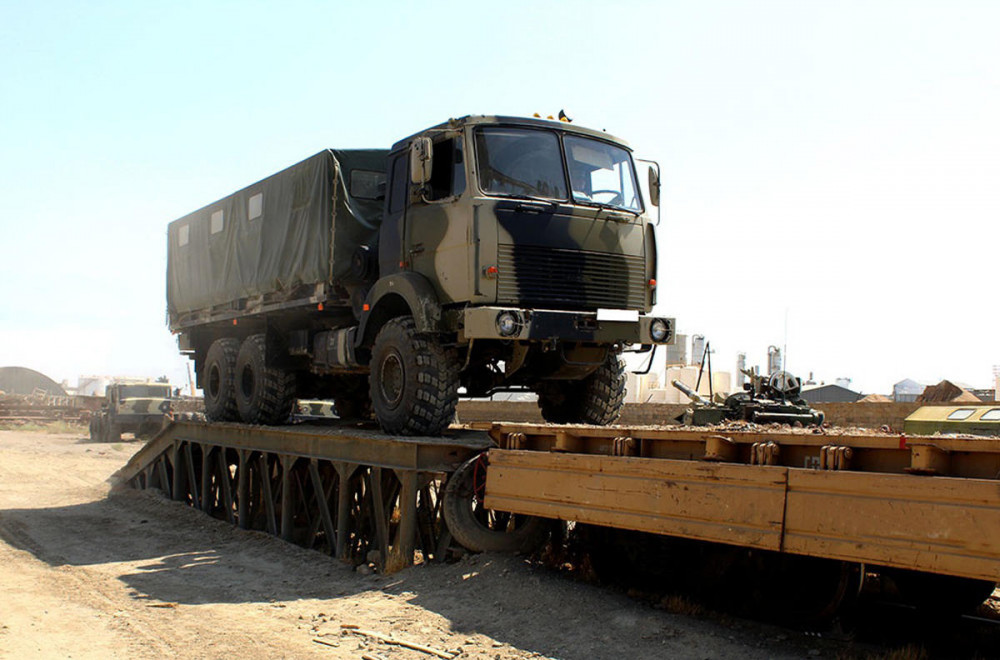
[(490, 253), (138, 407)]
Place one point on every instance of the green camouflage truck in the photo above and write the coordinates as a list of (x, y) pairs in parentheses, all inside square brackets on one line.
[(137, 408), (483, 254)]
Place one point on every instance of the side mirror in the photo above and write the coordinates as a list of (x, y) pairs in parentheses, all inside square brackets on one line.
[(421, 159), (654, 186)]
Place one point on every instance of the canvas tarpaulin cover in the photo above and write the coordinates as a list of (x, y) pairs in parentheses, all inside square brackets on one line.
[(299, 226)]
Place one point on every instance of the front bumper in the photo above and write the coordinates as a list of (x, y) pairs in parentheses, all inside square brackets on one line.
[(547, 324), (134, 420)]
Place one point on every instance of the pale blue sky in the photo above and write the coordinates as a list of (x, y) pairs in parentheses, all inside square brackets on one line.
[(846, 154)]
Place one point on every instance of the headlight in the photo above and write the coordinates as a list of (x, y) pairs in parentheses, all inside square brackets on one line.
[(659, 330), (508, 324)]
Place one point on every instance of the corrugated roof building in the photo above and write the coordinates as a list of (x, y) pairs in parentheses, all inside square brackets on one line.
[(830, 394), (21, 380)]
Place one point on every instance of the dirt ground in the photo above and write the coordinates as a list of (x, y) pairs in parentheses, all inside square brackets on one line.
[(88, 574)]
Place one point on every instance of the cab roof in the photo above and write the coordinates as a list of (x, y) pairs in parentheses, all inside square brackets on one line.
[(506, 120)]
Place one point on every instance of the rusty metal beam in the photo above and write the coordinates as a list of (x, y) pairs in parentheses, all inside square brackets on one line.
[(192, 481), (243, 488), (322, 496), (402, 551), (268, 496), (338, 443)]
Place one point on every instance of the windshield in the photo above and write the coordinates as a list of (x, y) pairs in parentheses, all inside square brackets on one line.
[(527, 162), (519, 161), (602, 173), (145, 392)]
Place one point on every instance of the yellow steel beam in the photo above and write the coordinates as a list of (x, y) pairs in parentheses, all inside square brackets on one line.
[(936, 524), (708, 501)]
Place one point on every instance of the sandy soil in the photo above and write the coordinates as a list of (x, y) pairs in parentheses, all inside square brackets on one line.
[(86, 574)]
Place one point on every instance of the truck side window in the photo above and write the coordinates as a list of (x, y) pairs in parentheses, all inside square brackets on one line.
[(448, 175), (397, 196)]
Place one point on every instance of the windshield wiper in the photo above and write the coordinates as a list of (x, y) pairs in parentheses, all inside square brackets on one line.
[(533, 198), (604, 206)]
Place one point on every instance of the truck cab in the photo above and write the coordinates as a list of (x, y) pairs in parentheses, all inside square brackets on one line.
[(529, 242), (140, 408)]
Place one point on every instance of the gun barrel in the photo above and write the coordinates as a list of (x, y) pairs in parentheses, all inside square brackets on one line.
[(694, 396)]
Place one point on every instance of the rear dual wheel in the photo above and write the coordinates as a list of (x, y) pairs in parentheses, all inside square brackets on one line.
[(239, 385), (264, 394), (217, 380)]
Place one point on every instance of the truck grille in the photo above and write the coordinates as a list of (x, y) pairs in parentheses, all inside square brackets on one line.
[(570, 279)]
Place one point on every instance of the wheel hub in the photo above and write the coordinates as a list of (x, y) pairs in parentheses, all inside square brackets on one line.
[(391, 375), (247, 381), (214, 381)]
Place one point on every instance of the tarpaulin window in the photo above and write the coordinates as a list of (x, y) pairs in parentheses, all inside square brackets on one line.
[(255, 206), (217, 222)]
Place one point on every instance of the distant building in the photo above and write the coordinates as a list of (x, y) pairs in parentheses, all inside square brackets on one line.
[(988, 396), (830, 394), (677, 351), (21, 380), (907, 390)]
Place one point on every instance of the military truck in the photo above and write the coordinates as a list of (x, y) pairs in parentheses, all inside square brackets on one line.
[(486, 253), (140, 408)]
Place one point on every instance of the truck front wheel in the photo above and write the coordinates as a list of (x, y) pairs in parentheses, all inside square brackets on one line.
[(597, 399), (217, 380), (264, 395), (97, 427), (414, 380)]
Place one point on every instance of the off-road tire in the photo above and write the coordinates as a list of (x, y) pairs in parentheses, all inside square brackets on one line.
[(113, 432), (469, 522), (96, 428), (559, 400), (218, 376), (352, 397), (264, 395), (597, 399), (413, 379)]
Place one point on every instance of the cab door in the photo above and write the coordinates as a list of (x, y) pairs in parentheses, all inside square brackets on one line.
[(391, 257), (437, 234)]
